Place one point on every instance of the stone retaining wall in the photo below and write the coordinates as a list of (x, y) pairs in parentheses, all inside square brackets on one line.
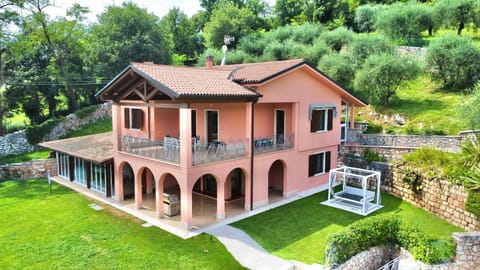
[(446, 143), (467, 256), (15, 143), (440, 197), (388, 152), (26, 170)]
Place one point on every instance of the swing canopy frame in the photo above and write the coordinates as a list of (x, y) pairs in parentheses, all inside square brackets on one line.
[(359, 193)]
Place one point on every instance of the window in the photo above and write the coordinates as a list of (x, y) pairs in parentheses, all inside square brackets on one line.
[(322, 120), (319, 163), (63, 165), (98, 178), (133, 118), (80, 171)]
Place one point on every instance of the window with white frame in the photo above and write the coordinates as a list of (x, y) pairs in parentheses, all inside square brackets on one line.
[(319, 163), (98, 178), (63, 165), (321, 119), (133, 118), (80, 175)]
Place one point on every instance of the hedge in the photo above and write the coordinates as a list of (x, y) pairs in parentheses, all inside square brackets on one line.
[(386, 229)]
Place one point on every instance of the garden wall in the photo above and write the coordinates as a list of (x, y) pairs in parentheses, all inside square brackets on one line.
[(14, 144), (445, 143), (440, 197), (26, 170), (467, 256)]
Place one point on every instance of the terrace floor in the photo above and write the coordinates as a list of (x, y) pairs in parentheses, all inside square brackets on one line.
[(204, 209)]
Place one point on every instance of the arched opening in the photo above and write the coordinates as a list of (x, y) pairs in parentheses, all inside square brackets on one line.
[(204, 198), (235, 192), (128, 182), (276, 181), (171, 197), (147, 187)]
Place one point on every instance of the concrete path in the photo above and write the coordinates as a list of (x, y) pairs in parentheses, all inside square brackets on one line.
[(246, 251)]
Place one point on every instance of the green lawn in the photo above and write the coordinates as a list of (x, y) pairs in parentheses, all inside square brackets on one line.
[(298, 231), (38, 154), (60, 231)]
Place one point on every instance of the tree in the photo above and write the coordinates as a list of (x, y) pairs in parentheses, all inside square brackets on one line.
[(453, 60), (366, 18), (126, 34), (364, 46), (338, 38), (471, 111), (229, 19), (286, 10), (457, 13), (381, 75), (338, 66), (181, 32), (405, 21)]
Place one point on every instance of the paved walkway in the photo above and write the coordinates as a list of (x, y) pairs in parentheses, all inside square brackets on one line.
[(246, 251)]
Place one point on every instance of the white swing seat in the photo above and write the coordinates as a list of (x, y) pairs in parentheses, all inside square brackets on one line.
[(354, 195)]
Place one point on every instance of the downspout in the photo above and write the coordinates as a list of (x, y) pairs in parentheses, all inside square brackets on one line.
[(252, 148)]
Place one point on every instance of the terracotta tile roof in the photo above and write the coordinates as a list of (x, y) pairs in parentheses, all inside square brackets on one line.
[(259, 72), (188, 81), (97, 148)]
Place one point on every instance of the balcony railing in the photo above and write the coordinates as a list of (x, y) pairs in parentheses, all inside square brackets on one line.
[(218, 151), (167, 150), (202, 153), (275, 143)]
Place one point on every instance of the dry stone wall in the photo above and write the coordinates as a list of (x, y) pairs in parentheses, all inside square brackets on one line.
[(440, 197), (446, 143), (26, 170), (370, 259), (17, 143)]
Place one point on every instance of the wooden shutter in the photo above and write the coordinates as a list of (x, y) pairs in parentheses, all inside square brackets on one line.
[(330, 119), (327, 161), (126, 115)]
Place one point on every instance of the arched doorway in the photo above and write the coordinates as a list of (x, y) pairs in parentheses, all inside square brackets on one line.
[(204, 200), (128, 182), (170, 194), (235, 192), (147, 189), (276, 181)]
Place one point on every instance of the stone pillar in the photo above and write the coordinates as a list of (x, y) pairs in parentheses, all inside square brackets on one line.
[(138, 191), (220, 200), (186, 206), (468, 250)]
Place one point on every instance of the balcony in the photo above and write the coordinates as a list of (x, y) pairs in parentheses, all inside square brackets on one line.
[(204, 153), (276, 143), (166, 150)]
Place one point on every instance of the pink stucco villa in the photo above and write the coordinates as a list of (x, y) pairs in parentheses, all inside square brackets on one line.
[(240, 135)]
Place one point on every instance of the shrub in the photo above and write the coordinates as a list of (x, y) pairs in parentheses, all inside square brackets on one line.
[(371, 155), (473, 202), (37, 132), (373, 128), (386, 229), (338, 38)]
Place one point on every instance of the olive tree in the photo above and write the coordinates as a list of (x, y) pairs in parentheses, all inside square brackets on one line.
[(382, 74), (338, 66), (453, 60)]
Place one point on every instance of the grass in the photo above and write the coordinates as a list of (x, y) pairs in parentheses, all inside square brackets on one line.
[(101, 126), (426, 107), (38, 154), (299, 230), (60, 231)]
